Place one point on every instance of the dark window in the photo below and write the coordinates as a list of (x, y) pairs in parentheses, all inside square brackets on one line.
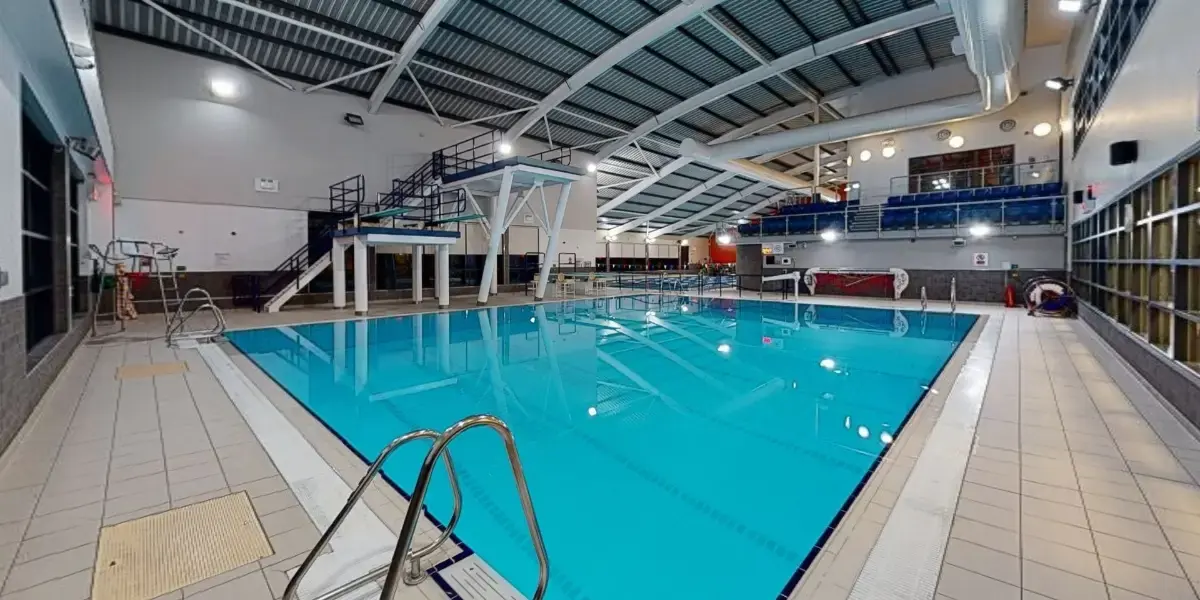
[(1116, 30), (38, 238), (957, 170)]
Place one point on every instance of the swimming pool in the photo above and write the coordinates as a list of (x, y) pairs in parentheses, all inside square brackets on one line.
[(674, 447)]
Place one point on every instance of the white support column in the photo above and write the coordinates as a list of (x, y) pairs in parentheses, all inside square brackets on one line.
[(360, 276), (498, 213), (339, 274), (418, 273), (361, 355), (564, 192), (443, 279)]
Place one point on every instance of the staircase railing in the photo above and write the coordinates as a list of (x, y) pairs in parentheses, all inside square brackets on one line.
[(346, 198), (481, 150)]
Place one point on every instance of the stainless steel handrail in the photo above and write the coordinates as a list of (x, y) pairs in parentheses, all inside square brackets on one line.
[(294, 585), (175, 330), (953, 294), (924, 299), (409, 529)]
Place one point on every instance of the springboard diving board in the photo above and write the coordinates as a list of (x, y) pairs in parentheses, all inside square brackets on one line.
[(386, 240)]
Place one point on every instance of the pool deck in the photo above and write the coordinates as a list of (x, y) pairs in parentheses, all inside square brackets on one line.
[(1042, 467)]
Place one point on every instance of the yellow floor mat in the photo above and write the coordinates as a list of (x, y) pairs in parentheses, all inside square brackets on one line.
[(148, 557), (151, 370)]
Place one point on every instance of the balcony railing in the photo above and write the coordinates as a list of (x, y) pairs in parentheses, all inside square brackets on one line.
[(857, 219)]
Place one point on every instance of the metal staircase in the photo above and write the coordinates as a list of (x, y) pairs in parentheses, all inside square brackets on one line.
[(866, 218)]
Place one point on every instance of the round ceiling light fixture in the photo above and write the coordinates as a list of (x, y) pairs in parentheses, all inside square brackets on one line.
[(957, 141), (888, 151), (223, 88), (864, 156), (1042, 129)]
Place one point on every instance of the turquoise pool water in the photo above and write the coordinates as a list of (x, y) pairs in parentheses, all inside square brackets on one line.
[(675, 447)]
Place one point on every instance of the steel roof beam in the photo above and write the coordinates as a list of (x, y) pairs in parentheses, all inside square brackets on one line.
[(429, 21), (618, 52), (822, 49), (680, 201), (738, 197)]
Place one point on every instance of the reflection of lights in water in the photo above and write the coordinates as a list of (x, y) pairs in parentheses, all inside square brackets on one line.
[(885, 437), (723, 348), (863, 432), (650, 313), (829, 396), (929, 389), (847, 422), (793, 385), (591, 411), (533, 319), (684, 308), (828, 363)]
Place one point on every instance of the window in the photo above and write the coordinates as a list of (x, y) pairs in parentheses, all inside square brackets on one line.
[(44, 230), (1116, 30), (957, 170)]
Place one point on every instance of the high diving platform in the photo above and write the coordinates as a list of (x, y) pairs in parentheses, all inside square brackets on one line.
[(472, 181)]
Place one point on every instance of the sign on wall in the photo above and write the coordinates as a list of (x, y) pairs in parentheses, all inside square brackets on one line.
[(773, 248), (979, 259), (266, 184)]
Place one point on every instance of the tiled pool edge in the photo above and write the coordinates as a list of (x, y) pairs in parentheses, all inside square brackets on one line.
[(883, 467), (838, 563), (349, 464)]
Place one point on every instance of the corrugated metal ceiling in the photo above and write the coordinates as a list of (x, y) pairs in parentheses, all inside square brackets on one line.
[(529, 47)]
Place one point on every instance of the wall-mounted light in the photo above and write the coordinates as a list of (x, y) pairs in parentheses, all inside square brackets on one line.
[(849, 161), (979, 230), (353, 120), (957, 141), (591, 167), (888, 152), (829, 235), (505, 148), (1042, 129), (1059, 83), (864, 156), (855, 185), (225, 89), (724, 239)]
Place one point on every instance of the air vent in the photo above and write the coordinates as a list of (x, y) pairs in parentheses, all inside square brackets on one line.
[(1008, 125), (943, 135)]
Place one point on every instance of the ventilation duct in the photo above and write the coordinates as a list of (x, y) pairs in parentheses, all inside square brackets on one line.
[(991, 32)]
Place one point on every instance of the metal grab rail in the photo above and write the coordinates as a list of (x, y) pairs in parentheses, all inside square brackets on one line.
[(175, 330), (924, 299), (409, 529), (294, 585), (953, 295)]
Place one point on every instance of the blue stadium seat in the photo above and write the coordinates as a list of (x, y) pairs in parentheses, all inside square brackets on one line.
[(907, 199)]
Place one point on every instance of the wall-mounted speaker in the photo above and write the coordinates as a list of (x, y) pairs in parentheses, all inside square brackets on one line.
[(1077, 196), (1123, 153)]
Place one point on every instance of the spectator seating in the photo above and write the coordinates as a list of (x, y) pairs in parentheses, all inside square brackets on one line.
[(1009, 204)]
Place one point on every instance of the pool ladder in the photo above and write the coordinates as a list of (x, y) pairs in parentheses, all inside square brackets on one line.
[(395, 570), (175, 330)]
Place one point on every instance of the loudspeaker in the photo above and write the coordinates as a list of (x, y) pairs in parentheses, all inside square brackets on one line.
[(1123, 153), (1077, 196)]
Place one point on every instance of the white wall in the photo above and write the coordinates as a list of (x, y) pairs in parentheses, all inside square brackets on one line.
[(1029, 252), (1038, 105), (1154, 100), (184, 150)]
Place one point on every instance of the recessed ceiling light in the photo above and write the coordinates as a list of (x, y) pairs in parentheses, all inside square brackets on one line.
[(591, 167), (225, 89), (864, 156), (957, 141), (1042, 129)]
